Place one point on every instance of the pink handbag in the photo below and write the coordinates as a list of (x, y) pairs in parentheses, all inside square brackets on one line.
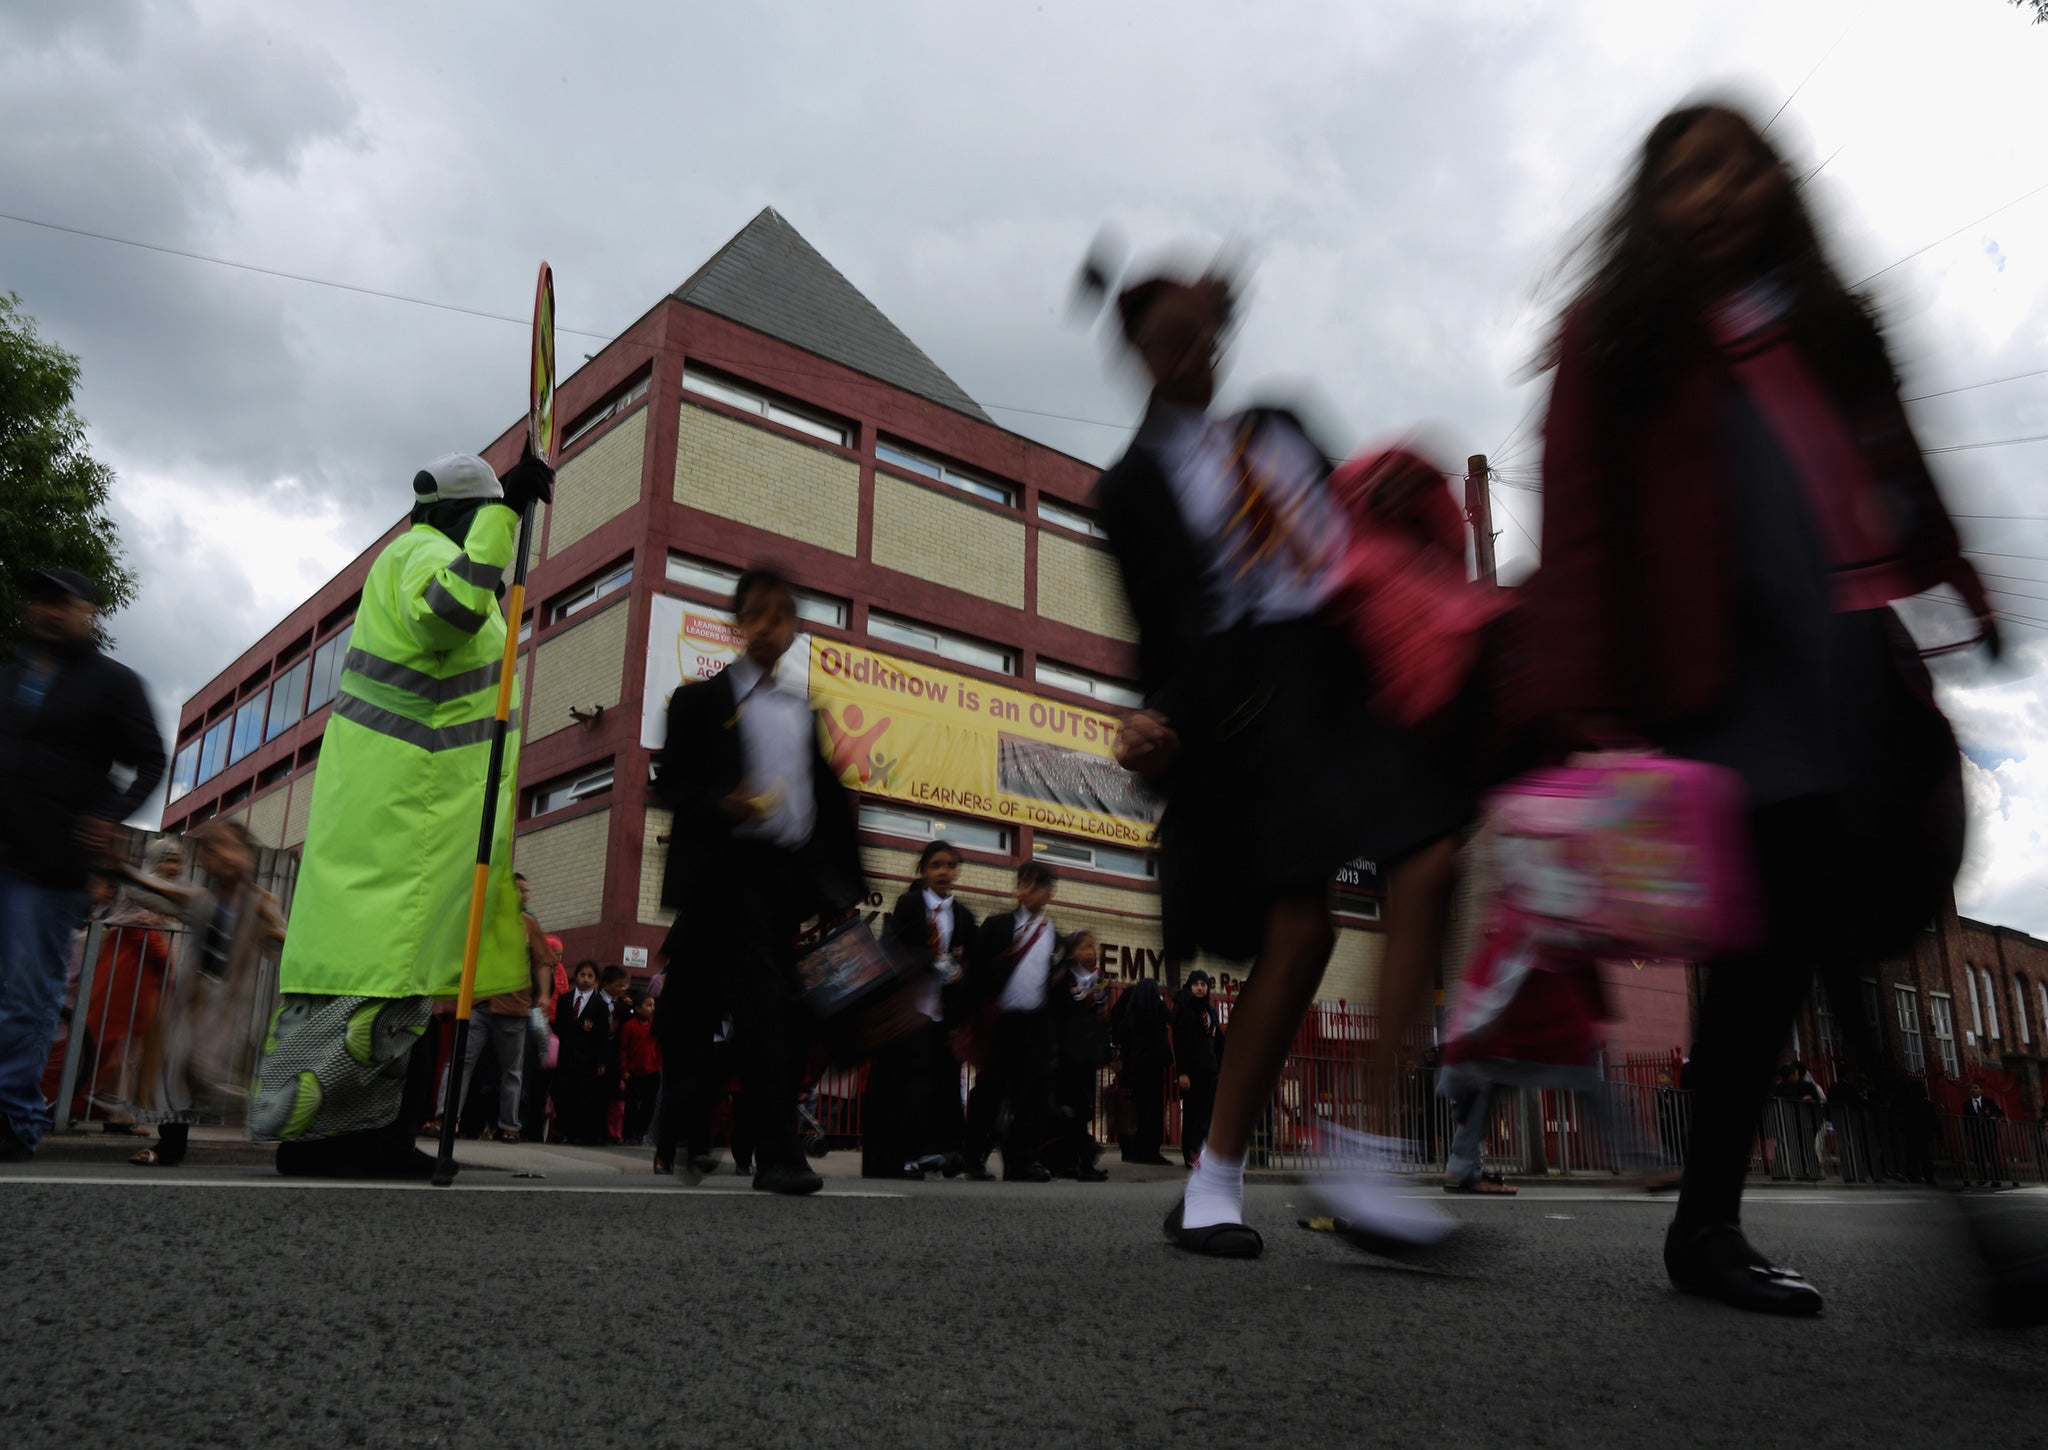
[(1629, 854)]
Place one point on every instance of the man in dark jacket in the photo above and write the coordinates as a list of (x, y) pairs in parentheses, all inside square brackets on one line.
[(68, 715)]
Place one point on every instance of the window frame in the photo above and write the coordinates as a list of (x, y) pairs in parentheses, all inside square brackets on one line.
[(574, 787), (1941, 1018), (185, 764), (718, 580), (744, 398), (259, 703), (938, 827), (941, 638), (604, 412), (1086, 682), (2019, 1010), (1991, 1004), (290, 696), (219, 731), (335, 648), (936, 470), (578, 598), (1906, 1010), (1078, 845), (1077, 520)]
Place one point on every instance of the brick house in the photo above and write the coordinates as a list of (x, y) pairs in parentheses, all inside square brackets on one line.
[(763, 409)]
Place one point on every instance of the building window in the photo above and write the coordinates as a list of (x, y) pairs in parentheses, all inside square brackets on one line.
[(584, 595), (942, 643), (1826, 1024), (1941, 1012), (898, 456), (749, 401), (1976, 1011), (719, 580), (1990, 1004), (184, 772), (1870, 1013), (2041, 1000), (287, 700), (1069, 517), (605, 411), (2019, 1009), (326, 677), (213, 751), (1906, 1000), (1081, 682), (1062, 851), (248, 726), (923, 826), (568, 790)]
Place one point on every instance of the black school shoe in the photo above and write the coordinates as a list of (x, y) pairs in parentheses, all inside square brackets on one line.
[(1717, 1262), (12, 1149), (788, 1180), (1217, 1241)]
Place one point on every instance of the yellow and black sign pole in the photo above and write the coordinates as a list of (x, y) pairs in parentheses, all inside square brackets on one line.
[(540, 432)]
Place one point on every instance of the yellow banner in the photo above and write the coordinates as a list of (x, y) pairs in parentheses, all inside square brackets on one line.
[(946, 742)]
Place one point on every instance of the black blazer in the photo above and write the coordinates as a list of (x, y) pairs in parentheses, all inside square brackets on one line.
[(586, 1038), (989, 961), (1161, 567), (1194, 1036), (907, 929), (700, 766)]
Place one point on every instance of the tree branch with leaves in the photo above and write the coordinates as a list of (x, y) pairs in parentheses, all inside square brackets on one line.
[(53, 492)]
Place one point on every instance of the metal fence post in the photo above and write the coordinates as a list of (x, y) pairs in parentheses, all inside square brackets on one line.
[(74, 1042)]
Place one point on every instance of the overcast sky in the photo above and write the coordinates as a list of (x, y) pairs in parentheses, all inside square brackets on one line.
[(1405, 175)]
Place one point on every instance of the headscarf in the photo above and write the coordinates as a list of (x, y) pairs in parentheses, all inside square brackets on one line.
[(133, 909)]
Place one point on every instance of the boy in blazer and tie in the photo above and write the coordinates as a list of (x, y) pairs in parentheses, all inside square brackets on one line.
[(911, 1110), (1008, 971), (763, 841), (583, 1023)]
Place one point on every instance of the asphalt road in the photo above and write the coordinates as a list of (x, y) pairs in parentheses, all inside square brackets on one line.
[(221, 1306)]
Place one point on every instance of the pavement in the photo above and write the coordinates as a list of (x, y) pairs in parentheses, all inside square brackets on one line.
[(220, 1305)]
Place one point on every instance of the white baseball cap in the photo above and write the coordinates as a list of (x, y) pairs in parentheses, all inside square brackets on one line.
[(455, 476)]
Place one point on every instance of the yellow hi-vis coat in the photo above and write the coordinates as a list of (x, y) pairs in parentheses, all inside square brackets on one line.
[(382, 902)]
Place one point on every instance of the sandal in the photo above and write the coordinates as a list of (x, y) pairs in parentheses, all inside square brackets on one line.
[(1217, 1241), (1483, 1183), (507, 1137), (148, 1158)]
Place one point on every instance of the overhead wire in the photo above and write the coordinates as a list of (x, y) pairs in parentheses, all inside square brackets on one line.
[(512, 319), (459, 308)]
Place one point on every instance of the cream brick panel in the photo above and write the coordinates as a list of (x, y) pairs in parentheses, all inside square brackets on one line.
[(564, 865), (1080, 586), (951, 542), (301, 806), (653, 862), (267, 817), (582, 666), (1353, 975), (600, 483), (740, 472)]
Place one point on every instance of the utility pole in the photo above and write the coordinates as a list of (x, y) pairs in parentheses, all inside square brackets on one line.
[(1479, 514)]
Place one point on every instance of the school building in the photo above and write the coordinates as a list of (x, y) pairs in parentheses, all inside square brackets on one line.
[(967, 643)]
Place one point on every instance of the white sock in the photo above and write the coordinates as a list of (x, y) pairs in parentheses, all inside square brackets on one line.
[(1215, 1191)]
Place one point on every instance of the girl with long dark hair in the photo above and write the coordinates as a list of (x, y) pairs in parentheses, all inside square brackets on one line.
[(1732, 501)]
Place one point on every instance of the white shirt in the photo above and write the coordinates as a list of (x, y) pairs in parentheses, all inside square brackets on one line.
[(582, 1001), (938, 911), (1293, 578), (1025, 991), (777, 740)]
